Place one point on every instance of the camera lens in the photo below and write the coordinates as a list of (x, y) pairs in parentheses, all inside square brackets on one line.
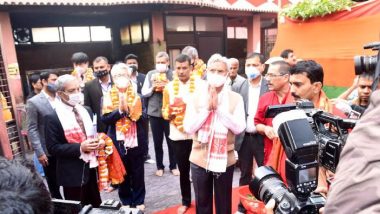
[(267, 184), (365, 64)]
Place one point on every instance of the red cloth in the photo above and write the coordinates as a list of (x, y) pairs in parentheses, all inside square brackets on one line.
[(332, 40), (268, 99)]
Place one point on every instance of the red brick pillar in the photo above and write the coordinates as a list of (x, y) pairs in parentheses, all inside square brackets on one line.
[(254, 34), (8, 53)]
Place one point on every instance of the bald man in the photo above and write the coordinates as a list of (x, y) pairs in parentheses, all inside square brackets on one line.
[(234, 79)]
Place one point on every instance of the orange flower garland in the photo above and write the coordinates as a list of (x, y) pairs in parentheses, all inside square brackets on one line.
[(160, 77), (88, 75), (124, 124), (111, 168), (178, 107), (199, 68)]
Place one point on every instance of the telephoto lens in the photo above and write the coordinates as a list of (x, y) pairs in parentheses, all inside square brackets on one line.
[(267, 184)]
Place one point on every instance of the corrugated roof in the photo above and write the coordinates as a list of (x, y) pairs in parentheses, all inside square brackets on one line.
[(269, 6), (239, 5)]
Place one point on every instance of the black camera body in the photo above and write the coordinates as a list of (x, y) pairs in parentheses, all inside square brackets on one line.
[(310, 137), (331, 142)]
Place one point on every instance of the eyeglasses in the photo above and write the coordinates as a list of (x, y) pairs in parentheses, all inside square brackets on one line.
[(271, 76)]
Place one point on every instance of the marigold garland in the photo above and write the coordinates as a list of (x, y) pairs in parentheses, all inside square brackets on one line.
[(124, 123), (199, 68), (88, 75), (179, 111), (160, 77)]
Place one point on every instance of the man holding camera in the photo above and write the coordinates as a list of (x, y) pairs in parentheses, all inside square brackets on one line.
[(306, 80)]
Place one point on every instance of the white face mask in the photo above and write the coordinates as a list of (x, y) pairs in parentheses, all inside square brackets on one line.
[(75, 99), (122, 82), (252, 72), (216, 80), (129, 71), (161, 67), (80, 70)]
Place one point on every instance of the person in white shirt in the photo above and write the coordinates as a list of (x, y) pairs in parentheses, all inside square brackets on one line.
[(214, 117), (175, 97), (37, 108), (250, 144)]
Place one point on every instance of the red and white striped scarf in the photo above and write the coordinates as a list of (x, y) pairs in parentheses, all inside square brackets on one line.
[(71, 128), (214, 134)]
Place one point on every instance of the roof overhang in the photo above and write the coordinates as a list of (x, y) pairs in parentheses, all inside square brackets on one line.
[(239, 5)]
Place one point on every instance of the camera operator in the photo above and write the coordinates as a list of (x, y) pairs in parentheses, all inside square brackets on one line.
[(306, 80)]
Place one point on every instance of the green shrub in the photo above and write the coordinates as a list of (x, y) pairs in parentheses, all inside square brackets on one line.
[(306, 9)]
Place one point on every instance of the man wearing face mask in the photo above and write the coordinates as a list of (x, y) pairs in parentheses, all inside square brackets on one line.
[(81, 71), (95, 89), (36, 109), (121, 112), (139, 79), (70, 135), (154, 84), (250, 144), (214, 119)]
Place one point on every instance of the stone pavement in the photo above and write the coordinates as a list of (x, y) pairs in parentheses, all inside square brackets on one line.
[(161, 192)]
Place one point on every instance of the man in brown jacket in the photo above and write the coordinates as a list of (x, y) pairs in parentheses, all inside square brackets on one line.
[(214, 119)]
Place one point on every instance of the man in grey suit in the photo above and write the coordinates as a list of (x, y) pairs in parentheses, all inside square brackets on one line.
[(154, 84), (250, 144), (37, 108), (235, 80)]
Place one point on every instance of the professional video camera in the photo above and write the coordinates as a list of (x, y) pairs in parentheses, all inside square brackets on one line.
[(367, 64), (307, 142), (330, 131)]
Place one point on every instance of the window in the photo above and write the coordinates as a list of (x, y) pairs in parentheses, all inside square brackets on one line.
[(62, 34), (209, 23), (146, 30), (230, 33), (136, 33), (179, 23), (237, 33), (100, 33), (124, 35), (46, 34), (241, 33), (77, 34)]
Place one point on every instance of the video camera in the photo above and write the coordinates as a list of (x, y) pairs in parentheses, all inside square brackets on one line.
[(369, 64), (307, 143)]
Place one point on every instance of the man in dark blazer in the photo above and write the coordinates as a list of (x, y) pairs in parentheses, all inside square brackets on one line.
[(94, 90), (79, 182), (143, 124), (37, 108), (250, 144)]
